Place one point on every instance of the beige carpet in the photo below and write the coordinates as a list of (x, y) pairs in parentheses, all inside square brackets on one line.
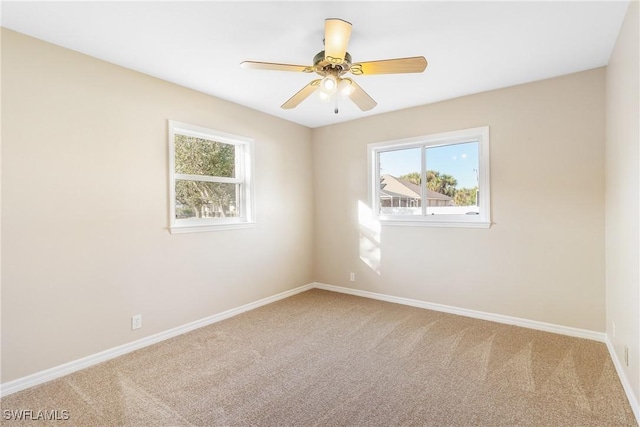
[(327, 359)]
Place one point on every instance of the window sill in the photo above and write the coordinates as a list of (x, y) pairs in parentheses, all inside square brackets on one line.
[(181, 229), (443, 224)]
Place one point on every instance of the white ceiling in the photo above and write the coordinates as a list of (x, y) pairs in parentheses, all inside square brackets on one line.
[(470, 46)]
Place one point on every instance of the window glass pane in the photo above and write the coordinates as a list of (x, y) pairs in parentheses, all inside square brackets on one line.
[(197, 199), (400, 182), (452, 179), (195, 156)]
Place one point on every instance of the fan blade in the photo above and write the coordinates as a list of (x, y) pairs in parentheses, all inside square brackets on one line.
[(336, 39), (301, 95), (360, 97), (416, 64), (275, 67)]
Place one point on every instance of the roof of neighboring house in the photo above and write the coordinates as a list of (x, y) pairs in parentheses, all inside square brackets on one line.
[(384, 194), (435, 195), (395, 187), (391, 184)]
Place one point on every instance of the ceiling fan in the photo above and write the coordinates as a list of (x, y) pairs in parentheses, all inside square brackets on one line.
[(333, 62)]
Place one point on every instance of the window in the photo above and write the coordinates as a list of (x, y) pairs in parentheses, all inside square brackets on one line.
[(210, 179), (434, 180)]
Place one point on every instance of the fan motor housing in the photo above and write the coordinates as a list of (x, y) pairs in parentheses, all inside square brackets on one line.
[(322, 66)]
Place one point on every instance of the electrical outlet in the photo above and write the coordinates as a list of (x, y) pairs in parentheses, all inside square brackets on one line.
[(626, 355), (136, 321), (352, 277)]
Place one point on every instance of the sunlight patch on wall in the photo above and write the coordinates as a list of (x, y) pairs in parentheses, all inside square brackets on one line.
[(370, 229)]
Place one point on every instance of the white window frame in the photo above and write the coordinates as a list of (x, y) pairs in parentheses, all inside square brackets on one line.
[(479, 134), (244, 177)]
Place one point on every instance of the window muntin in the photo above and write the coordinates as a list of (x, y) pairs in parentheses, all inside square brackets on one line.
[(455, 169), (210, 179)]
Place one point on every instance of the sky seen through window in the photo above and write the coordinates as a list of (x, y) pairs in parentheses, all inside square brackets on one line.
[(457, 160)]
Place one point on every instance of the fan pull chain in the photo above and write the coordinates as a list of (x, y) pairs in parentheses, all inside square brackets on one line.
[(335, 110)]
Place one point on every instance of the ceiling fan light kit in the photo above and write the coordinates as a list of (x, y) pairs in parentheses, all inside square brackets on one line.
[(333, 62), (329, 84), (346, 87)]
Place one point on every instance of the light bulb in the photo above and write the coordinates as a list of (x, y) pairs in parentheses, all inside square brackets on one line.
[(329, 84), (346, 87), (323, 96)]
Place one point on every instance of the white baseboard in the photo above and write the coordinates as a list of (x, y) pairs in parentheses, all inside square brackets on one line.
[(631, 396), (85, 362), (517, 321)]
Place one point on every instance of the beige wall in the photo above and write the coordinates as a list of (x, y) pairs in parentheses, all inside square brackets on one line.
[(543, 258), (623, 192), (85, 209)]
